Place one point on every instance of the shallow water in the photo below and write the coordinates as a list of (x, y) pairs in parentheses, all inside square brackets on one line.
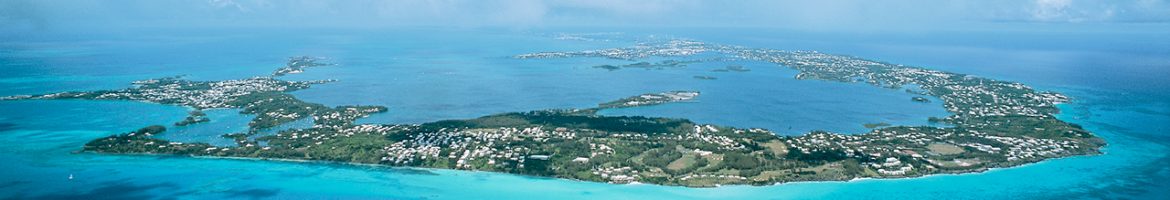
[(425, 76)]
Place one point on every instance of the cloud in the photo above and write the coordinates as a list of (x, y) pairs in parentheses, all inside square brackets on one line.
[(1097, 11), (789, 14), (458, 13), (1048, 10), (228, 4), (1066, 11)]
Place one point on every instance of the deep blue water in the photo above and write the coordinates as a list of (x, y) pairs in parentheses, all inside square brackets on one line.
[(1116, 79)]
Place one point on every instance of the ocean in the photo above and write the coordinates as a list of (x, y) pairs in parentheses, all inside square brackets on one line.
[(1116, 79)]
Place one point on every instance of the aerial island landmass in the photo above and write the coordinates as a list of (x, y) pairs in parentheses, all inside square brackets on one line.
[(993, 124)]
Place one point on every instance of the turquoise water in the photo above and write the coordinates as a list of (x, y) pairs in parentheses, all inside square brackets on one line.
[(226, 121), (430, 75)]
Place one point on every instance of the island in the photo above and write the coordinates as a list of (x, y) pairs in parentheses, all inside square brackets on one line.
[(993, 124), (705, 77), (297, 65), (732, 68), (193, 117), (665, 64), (920, 99), (875, 125)]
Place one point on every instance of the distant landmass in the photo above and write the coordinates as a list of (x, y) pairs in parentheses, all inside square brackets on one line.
[(992, 124)]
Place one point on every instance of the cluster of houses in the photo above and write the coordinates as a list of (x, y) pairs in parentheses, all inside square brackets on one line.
[(1033, 148), (658, 98), (195, 94), (890, 146), (473, 148), (705, 133), (343, 117), (466, 146), (665, 49), (598, 149), (617, 174), (718, 176), (893, 167)]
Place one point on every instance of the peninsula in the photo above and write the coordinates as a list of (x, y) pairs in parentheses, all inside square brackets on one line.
[(992, 124)]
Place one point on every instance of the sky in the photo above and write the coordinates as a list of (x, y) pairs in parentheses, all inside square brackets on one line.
[(846, 15)]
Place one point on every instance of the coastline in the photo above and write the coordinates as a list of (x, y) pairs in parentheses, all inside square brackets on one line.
[(432, 170)]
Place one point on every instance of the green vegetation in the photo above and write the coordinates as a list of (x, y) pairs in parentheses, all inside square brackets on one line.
[(660, 157), (193, 117), (737, 160), (273, 108)]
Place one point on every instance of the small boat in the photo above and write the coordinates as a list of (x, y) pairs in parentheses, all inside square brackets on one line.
[(70, 176)]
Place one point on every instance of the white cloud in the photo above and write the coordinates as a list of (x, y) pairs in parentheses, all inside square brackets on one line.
[(228, 4), (1075, 11), (1051, 10), (790, 14)]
